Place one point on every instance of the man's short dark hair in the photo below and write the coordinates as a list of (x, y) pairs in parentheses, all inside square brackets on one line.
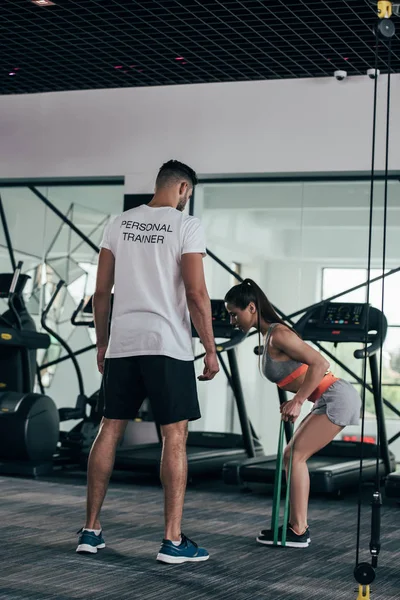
[(174, 171)]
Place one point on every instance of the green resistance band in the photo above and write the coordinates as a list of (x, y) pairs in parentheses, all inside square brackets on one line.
[(278, 489)]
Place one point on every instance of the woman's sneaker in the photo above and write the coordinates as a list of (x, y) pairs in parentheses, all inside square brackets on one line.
[(293, 540), (89, 541), (187, 551)]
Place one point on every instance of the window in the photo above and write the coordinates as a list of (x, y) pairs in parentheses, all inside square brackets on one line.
[(236, 268), (336, 280)]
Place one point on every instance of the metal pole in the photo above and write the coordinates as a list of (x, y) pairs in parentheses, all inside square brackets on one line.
[(380, 417), (241, 406), (232, 386), (7, 235), (394, 438), (57, 361), (64, 218)]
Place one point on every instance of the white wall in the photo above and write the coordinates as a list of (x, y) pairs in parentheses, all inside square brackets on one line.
[(304, 125)]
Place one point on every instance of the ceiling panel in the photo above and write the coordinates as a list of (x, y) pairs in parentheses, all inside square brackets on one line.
[(94, 44)]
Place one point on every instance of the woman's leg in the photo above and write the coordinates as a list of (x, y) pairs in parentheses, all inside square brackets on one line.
[(315, 432)]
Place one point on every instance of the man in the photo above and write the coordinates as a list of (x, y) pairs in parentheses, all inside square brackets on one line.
[(153, 257)]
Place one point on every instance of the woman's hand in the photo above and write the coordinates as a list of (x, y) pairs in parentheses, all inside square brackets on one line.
[(290, 410)]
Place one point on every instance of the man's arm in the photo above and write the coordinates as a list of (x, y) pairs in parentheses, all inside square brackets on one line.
[(200, 308), (101, 302)]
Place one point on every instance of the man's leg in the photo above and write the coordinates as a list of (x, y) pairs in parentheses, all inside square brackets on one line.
[(122, 393), (171, 387), (174, 476), (100, 466)]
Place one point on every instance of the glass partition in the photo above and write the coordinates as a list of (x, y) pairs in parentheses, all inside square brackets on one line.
[(302, 242), (50, 251)]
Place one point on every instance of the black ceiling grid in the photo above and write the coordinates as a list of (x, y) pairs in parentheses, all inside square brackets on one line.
[(97, 44)]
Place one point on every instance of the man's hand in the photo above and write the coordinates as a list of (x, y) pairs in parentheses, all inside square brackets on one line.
[(101, 351), (290, 410), (211, 367)]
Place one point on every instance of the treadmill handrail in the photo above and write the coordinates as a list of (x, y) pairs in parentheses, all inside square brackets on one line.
[(82, 323), (378, 341), (12, 294)]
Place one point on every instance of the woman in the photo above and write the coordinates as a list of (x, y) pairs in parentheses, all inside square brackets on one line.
[(295, 367)]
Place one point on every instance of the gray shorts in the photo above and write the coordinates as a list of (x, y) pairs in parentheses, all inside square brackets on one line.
[(341, 403)]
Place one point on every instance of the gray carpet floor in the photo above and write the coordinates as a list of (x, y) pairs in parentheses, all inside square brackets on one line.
[(39, 520)]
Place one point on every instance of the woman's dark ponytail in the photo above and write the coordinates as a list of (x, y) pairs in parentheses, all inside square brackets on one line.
[(248, 291)]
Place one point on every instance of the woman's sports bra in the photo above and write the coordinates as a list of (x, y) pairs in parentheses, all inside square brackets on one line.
[(281, 372)]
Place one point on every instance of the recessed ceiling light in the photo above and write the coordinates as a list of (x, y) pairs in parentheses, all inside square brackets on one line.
[(43, 2)]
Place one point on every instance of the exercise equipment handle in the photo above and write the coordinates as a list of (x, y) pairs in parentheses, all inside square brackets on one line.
[(377, 342), (11, 294), (45, 312), (15, 278), (375, 542), (81, 323), (76, 313)]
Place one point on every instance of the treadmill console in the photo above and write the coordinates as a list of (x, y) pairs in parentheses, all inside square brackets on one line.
[(343, 322), (343, 315), (221, 321), (219, 313)]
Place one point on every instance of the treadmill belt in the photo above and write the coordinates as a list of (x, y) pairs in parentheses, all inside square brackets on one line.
[(200, 459), (327, 475), (392, 486)]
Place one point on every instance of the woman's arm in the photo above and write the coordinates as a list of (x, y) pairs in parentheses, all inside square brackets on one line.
[(290, 344)]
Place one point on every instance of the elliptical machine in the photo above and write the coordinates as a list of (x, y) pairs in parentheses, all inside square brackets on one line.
[(80, 438), (29, 422)]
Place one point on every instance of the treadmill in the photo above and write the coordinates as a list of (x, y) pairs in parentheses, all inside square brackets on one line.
[(336, 466), (392, 485), (207, 451)]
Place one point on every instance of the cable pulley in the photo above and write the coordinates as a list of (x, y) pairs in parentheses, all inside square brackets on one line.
[(364, 572)]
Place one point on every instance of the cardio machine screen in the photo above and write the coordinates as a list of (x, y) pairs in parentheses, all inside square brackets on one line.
[(343, 315), (220, 320), (219, 312)]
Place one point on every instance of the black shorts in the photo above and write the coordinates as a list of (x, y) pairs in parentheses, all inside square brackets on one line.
[(168, 383)]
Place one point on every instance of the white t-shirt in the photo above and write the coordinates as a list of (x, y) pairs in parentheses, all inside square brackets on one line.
[(150, 313)]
